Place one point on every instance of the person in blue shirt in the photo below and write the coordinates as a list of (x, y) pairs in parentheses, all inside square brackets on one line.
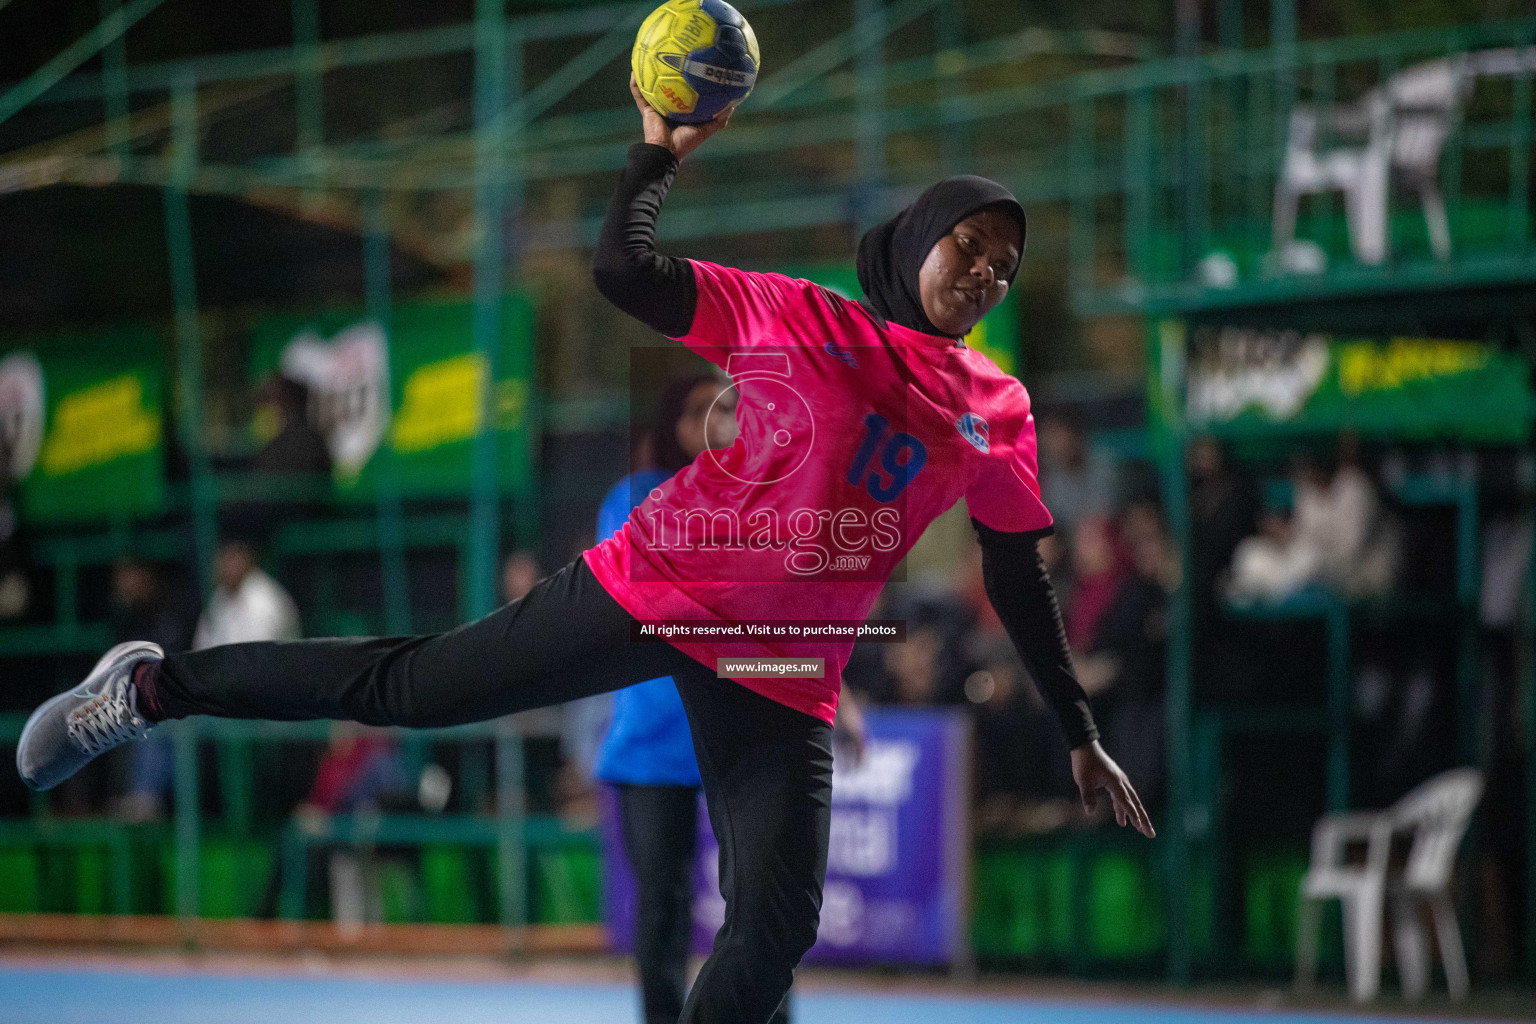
[(647, 753)]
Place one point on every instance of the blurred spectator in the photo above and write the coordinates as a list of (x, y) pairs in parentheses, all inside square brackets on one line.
[(1271, 565), (912, 668), (582, 722), (1101, 565), (931, 666), (1340, 515), (360, 772), (946, 627), (1114, 576), (1223, 509), (145, 606), (565, 766), (1075, 481), (1022, 781), (1340, 537), (297, 447), (247, 605), (1123, 661), (1146, 536), (360, 769), (519, 573), (1506, 566), (295, 453), (15, 591)]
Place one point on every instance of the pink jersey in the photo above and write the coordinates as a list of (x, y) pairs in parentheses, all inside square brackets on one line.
[(853, 437)]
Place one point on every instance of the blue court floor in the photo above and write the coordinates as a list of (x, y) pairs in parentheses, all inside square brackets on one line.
[(47, 995)]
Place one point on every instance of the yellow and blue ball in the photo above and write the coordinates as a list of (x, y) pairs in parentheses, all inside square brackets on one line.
[(695, 58)]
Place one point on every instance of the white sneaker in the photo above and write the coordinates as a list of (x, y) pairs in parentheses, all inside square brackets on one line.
[(69, 730)]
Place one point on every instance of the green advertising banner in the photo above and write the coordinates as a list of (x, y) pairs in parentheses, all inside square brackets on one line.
[(414, 391), (81, 430), (996, 336), (1243, 382)]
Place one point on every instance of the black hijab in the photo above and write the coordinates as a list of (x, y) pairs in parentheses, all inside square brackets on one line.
[(891, 254)]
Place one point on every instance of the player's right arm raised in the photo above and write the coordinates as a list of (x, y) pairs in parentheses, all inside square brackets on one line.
[(658, 290), (681, 139)]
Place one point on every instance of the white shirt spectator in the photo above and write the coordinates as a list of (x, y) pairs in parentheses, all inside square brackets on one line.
[(257, 609), (1355, 540), (1341, 537)]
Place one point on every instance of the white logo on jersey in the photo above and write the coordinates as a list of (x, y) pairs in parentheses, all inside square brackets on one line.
[(974, 429)]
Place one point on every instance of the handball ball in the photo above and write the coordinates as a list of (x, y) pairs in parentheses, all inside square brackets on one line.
[(694, 58)]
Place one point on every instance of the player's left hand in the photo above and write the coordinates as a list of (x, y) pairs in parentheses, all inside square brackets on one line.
[(1095, 770)]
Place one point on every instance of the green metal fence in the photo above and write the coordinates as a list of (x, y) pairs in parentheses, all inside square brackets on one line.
[(1160, 162), (511, 836), (1173, 161)]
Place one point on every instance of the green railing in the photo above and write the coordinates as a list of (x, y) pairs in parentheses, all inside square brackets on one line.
[(510, 834), (313, 525), (886, 97), (1174, 162), (1156, 165)]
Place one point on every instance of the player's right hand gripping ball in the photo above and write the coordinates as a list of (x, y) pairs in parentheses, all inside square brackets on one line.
[(694, 58)]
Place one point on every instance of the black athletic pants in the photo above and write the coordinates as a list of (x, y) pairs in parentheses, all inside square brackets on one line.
[(661, 827), (767, 769)]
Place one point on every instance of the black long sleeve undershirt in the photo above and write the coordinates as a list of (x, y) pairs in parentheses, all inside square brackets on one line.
[(661, 292), (1019, 587), (657, 290)]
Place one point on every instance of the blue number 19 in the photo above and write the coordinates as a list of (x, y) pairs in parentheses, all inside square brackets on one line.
[(886, 487)]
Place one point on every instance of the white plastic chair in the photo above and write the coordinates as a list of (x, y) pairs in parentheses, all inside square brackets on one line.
[(1437, 814), (1394, 134)]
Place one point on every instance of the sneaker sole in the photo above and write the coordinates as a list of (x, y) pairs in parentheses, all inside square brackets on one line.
[(104, 662)]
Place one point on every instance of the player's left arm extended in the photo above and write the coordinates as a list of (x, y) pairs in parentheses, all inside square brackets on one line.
[(658, 290), (1019, 587)]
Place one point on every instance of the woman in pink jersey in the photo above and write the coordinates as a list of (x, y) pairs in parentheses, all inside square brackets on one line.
[(859, 423)]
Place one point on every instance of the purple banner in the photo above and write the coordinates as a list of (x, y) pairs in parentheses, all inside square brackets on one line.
[(896, 864)]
